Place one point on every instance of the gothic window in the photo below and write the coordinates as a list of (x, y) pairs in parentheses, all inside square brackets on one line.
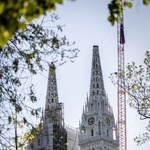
[(93, 72), (102, 104), (107, 133), (52, 100), (97, 85), (99, 128), (97, 92), (96, 65), (93, 79), (96, 72), (92, 132), (39, 142), (98, 105), (91, 106), (93, 85)]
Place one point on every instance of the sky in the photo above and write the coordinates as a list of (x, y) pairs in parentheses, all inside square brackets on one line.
[(86, 23)]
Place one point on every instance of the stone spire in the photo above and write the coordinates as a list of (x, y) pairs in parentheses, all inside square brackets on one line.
[(53, 109), (97, 126), (52, 94), (96, 84), (53, 135)]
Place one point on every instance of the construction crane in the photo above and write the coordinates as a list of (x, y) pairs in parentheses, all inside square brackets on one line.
[(121, 84)]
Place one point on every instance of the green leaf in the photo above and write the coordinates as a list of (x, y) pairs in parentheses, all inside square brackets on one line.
[(128, 4), (2, 6), (145, 2)]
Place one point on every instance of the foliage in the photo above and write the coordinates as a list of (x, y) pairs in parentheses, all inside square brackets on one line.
[(32, 134), (141, 139), (26, 54), (12, 11), (137, 86), (15, 14), (116, 6)]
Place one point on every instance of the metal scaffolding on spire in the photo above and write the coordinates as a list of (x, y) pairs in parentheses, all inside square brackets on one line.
[(121, 82)]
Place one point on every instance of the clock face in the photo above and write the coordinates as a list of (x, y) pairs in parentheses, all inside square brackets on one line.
[(108, 121), (91, 121)]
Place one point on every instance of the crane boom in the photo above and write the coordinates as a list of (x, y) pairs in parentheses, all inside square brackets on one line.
[(121, 83)]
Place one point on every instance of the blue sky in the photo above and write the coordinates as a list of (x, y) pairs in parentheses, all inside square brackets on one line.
[(86, 23)]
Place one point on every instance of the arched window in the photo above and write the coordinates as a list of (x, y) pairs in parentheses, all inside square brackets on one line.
[(107, 133), (52, 100), (97, 85), (98, 105), (92, 132), (91, 106), (39, 142), (93, 85), (99, 128), (96, 65)]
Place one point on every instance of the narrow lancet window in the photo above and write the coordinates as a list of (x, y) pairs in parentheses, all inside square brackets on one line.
[(107, 133), (99, 128), (92, 132), (93, 85), (93, 93), (91, 106), (97, 85)]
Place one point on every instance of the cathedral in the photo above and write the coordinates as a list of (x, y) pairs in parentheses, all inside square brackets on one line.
[(97, 128)]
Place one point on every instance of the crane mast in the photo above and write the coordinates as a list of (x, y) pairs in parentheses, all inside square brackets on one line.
[(121, 83)]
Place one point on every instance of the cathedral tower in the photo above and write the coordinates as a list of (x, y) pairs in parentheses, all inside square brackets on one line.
[(53, 135), (98, 130)]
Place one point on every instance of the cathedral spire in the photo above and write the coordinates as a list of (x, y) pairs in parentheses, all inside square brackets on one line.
[(53, 109), (97, 125), (96, 84), (52, 94)]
